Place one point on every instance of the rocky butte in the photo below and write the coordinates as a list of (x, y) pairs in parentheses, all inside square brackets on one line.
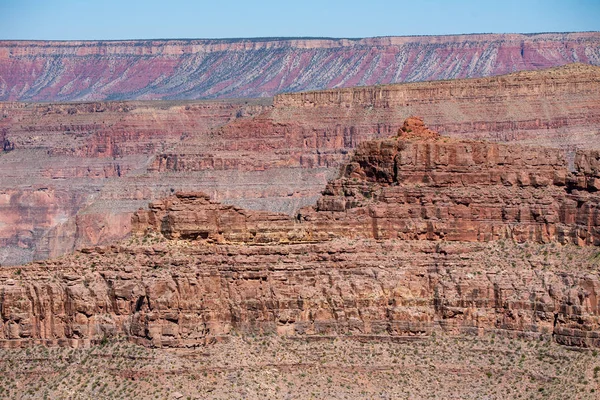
[(235, 68), (419, 233)]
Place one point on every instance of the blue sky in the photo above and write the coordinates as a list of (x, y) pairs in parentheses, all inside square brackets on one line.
[(150, 19)]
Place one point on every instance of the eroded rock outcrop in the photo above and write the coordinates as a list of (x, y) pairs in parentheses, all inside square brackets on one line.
[(418, 186), (192, 215), (103, 160), (410, 240), (183, 294)]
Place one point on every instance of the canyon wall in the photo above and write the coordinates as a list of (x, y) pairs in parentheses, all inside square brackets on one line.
[(185, 295), (72, 174), (555, 108), (416, 186), (367, 260), (233, 68)]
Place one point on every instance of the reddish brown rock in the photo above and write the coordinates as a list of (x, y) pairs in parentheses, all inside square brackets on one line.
[(193, 216), (419, 186), (463, 190), (104, 160), (76, 172), (385, 252), (414, 127), (181, 293)]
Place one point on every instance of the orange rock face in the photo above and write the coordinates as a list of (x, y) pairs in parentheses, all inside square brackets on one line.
[(193, 216), (463, 191), (184, 294), (387, 251), (414, 127)]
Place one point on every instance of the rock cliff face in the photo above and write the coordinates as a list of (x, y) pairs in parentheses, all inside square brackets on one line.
[(384, 253), (417, 186), (556, 108), (72, 174), (193, 69)]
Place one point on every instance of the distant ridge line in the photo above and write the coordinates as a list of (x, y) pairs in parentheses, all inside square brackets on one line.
[(291, 38), (189, 69)]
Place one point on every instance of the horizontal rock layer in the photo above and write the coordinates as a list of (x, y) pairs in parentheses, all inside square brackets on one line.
[(383, 252), (193, 69), (418, 185), (72, 174), (179, 294), (461, 191)]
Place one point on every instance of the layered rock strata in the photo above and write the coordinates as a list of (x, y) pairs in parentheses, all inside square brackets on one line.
[(72, 174), (384, 253), (418, 186), (227, 68), (555, 108), (188, 294)]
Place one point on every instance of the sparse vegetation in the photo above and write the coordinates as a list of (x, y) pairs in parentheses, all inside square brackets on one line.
[(278, 367)]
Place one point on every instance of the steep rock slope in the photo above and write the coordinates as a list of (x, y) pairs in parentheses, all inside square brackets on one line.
[(194, 69), (72, 174), (330, 270), (557, 107)]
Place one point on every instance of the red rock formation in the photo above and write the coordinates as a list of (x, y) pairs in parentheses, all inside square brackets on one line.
[(108, 159), (76, 172), (225, 270), (414, 128), (417, 186), (441, 189), (187, 294), (227, 68), (557, 107), (193, 216)]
